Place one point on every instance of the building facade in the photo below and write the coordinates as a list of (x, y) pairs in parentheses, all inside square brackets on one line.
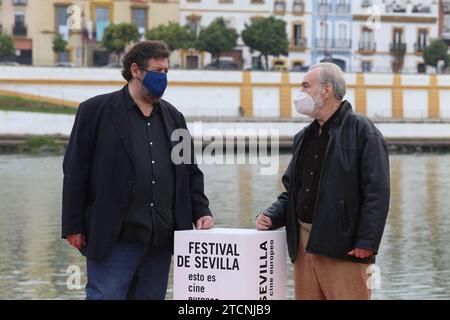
[(35, 23), (237, 13), (391, 35), (331, 31), (444, 20)]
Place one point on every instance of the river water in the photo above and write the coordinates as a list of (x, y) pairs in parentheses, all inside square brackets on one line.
[(414, 257)]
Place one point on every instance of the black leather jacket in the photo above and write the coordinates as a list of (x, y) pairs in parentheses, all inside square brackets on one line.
[(353, 195)]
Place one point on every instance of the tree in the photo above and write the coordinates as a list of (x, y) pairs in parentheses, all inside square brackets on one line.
[(117, 36), (217, 38), (268, 36), (173, 34), (59, 44), (437, 50), (6, 45)]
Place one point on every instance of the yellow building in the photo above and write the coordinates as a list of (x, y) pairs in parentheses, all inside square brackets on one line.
[(35, 23)]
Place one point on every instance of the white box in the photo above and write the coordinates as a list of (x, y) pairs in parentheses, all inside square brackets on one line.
[(230, 264)]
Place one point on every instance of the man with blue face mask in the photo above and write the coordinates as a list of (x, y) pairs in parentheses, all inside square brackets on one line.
[(123, 196), (337, 193)]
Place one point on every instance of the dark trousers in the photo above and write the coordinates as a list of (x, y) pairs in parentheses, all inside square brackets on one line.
[(131, 271)]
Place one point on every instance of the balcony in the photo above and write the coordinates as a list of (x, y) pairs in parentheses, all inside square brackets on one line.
[(299, 44), (325, 8), (420, 46), (324, 43), (397, 47), (343, 8), (298, 7), (366, 3), (343, 43), (19, 30), (367, 46), (333, 43)]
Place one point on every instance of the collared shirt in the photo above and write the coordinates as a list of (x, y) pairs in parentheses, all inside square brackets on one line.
[(150, 215), (310, 163)]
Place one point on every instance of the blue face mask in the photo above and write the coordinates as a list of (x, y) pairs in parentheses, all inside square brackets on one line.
[(155, 83)]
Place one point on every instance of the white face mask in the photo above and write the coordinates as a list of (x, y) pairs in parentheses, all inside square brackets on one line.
[(305, 104)]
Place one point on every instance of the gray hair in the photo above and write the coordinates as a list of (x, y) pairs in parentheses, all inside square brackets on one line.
[(331, 73)]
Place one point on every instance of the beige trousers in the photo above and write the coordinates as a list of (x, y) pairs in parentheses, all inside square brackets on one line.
[(322, 278)]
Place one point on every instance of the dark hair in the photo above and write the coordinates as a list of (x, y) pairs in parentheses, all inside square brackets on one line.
[(141, 53)]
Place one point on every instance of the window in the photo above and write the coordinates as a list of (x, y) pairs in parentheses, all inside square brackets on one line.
[(298, 7), (421, 8), (139, 18), (398, 44), (280, 6), (323, 30), (229, 22), (193, 21), (61, 17), (324, 6), (19, 19), (398, 36), (366, 42), (101, 21), (422, 40), (343, 6), (342, 31), (447, 23), (366, 3), (366, 66), (298, 36), (19, 28)]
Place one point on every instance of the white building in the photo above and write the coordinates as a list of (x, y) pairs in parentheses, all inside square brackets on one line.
[(390, 35), (237, 13)]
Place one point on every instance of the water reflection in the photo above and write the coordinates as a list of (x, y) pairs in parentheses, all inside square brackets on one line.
[(414, 256)]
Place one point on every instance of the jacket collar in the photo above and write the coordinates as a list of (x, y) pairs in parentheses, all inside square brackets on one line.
[(344, 110)]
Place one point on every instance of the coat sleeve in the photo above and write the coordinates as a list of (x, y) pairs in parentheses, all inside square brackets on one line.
[(76, 167), (375, 190), (200, 202), (277, 211)]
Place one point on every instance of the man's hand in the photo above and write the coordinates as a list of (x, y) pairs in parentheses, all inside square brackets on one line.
[(360, 253), (263, 222), (206, 222), (77, 240)]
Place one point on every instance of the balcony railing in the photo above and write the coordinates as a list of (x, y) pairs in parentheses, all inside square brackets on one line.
[(333, 43), (325, 7), (397, 47), (19, 30), (343, 8), (19, 2), (300, 43), (420, 46), (324, 43), (366, 3), (343, 43), (367, 46)]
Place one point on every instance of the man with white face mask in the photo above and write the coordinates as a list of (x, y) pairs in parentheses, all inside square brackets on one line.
[(337, 193)]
